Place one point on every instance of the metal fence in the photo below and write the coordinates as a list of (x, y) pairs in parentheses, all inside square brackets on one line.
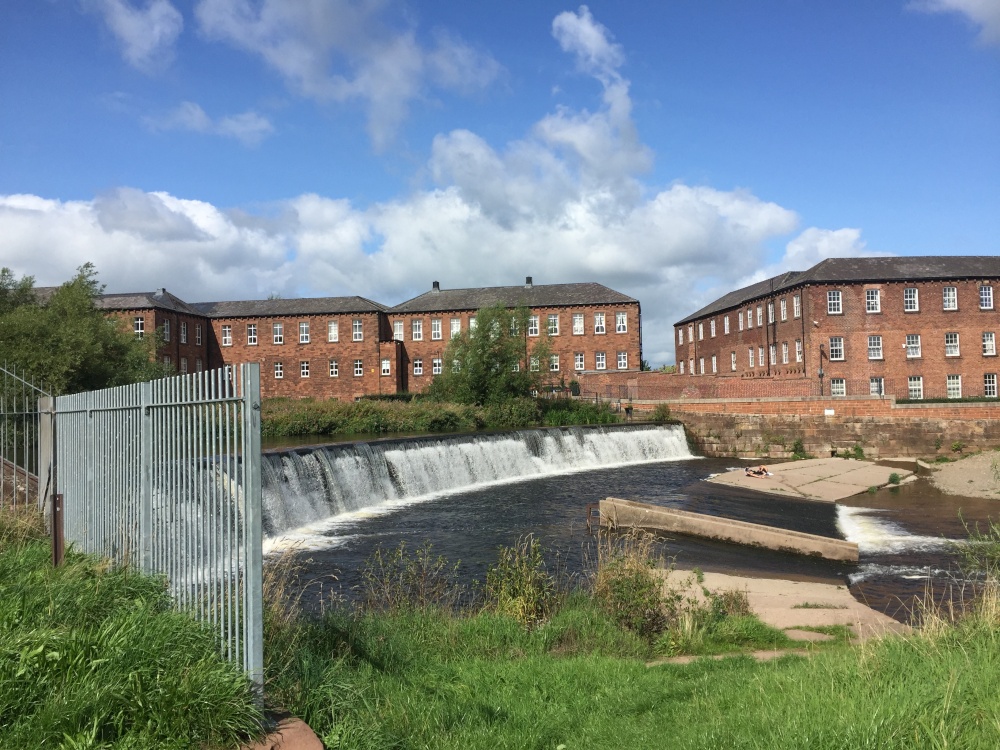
[(20, 435), (165, 476)]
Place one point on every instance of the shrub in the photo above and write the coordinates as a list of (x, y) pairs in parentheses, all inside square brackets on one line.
[(627, 585), (894, 478), (660, 413), (957, 446), (518, 585), (399, 580)]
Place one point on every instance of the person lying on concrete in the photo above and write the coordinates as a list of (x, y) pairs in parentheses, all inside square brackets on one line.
[(760, 471)]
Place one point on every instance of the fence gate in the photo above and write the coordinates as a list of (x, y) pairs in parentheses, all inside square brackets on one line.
[(25, 445), (165, 476)]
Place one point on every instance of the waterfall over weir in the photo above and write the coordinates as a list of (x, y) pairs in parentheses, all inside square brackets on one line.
[(304, 485)]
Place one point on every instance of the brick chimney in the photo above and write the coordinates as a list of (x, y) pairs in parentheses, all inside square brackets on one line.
[(436, 286), (527, 282)]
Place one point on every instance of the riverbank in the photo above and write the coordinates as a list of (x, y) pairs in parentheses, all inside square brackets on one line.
[(977, 475)]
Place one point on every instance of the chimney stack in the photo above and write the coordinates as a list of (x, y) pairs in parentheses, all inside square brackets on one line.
[(436, 286), (527, 282)]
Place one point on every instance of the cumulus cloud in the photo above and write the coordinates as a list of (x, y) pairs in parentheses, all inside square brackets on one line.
[(341, 51), (983, 13), (249, 128), (147, 34)]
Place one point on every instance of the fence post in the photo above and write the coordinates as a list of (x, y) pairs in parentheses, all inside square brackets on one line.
[(146, 478), (250, 379)]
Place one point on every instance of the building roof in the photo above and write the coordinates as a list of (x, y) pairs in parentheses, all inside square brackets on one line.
[(529, 295), (285, 307), (160, 299), (861, 270)]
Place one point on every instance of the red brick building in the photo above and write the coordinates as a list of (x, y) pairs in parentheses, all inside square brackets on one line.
[(918, 327), (347, 347)]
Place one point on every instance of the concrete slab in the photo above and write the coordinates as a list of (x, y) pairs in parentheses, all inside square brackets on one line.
[(820, 479)]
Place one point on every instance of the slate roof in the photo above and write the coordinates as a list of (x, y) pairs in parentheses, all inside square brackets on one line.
[(286, 307), (535, 295), (160, 299), (861, 270)]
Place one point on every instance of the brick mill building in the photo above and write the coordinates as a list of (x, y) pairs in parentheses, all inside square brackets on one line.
[(913, 327), (347, 347)]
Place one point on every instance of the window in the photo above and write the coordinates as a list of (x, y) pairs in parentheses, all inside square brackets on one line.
[(749, 318), (954, 386), (397, 330), (833, 303), (784, 352), (533, 363), (681, 367), (227, 372), (578, 324), (701, 331), (279, 371), (621, 322), (838, 387), (417, 329), (197, 334), (701, 365), (166, 330), (876, 386), (456, 327), (949, 298), (773, 354), (711, 328), (783, 309), (874, 347), (770, 312), (739, 320), (386, 367), (680, 336), (184, 332), (418, 367), (732, 361), (578, 361), (166, 360), (796, 306), (760, 355), (750, 356), (554, 363), (184, 365), (912, 345), (251, 334), (911, 300), (990, 385), (951, 345), (304, 369), (989, 344), (715, 364), (334, 369), (532, 325), (725, 325), (985, 298), (304, 332), (436, 366), (357, 330), (278, 333), (915, 387), (435, 329), (359, 368), (198, 366), (333, 331), (691, 366), (599, 324), (227, 335), (873, 301), (691, 332), (599, 361), (139, 326), (553, 325), (798, 350), (760, 316), (623, 361)]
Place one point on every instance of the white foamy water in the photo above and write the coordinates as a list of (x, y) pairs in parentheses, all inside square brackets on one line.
[(309, 493), (877, 535)]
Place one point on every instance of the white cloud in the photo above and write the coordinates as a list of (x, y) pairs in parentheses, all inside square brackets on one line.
[(249, 128), (146, 34), (562, 204), (983, 13), (340, 51)]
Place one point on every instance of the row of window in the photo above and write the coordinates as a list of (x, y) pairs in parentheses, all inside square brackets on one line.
[(305, 366), (534, 321), (952, 346), (915, 386), (755, 358), (278, 332), (750, 317), (911, 299), (198, 366), (139, 328)]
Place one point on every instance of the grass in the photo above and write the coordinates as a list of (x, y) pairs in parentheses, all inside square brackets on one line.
[(817, 605), (92, 657)]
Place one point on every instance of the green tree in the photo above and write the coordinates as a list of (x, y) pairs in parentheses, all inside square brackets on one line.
[(495, 361), (66, 342)]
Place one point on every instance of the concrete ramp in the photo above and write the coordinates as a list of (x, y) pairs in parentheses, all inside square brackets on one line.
[(626, 513)]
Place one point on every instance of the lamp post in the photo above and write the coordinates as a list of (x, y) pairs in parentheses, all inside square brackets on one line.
[(819, 372)]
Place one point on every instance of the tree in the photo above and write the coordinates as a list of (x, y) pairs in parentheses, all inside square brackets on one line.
[(66, 342), (495, 361)]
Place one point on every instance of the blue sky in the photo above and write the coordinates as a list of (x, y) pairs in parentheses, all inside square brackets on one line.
[(231, 149)]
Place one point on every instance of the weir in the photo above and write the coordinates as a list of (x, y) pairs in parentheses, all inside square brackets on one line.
[(304, 485)]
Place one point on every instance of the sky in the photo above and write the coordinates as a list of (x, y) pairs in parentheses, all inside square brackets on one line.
[(673, 151)]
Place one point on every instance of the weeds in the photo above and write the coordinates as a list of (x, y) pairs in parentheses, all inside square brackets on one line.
[(518, 585), (396, 581), (660, 413), (894, 478)]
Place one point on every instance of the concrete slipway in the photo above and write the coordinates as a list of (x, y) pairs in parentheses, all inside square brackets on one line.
[(821, 479)]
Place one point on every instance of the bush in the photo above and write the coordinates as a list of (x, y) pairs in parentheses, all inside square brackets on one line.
[(559, 412), (627, 584), (894, 478), (519, 586), (660, 413), (399, 581)]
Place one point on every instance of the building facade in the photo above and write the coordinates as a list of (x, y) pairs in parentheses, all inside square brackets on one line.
[(917, 328), (347, 347)]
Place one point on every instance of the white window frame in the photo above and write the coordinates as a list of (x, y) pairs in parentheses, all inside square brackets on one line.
[(184, 365), (198, 365), (797, 306), (873, 301), (732, 361), (952, 344), (760, 355), (166, 330), (184, 332), (715, 364), (197, 335), (532, 325), (333, 331), (725, 325), (357, 329), (533, 364), (760, 316), (691, 366), (251, 334), (772, 353), (701, 330), (680, 367), (553, 324), (579, 361), (986, 297), (599, 328), (139, 326), (600, 361), (990, 385), (417, 329), (456, 327), (949, 298), (915, 387), (553, 363), (680, 336), (798, 350), (623, 360), (578, 325), (834, 302), (750, 356), (304, 368), (989, 344), (437, 366), (783, 309), (435, 329), (303, 331), (227, 335), (418, 367), (913, 346), (621, 322), (838, 387), (911, 299), (278, 333), (701, 365), (875, 347), (739, 320), (387, 367), (953, 386), (279, 371), (711, 328), (334, 369), (359, 368), (876, 385), (784, 352), (770, 312)]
